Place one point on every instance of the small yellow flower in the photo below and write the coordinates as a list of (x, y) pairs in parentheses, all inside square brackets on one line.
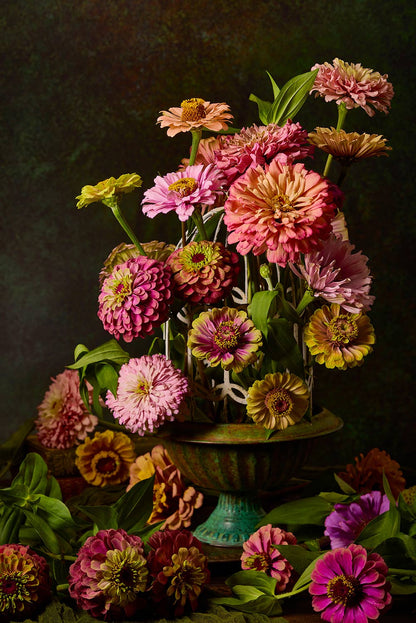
[(107, 190), (106, 458), (348, 147)]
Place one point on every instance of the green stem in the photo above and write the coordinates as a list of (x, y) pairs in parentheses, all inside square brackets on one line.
[(307, 298), (197, 219), (120, 218), (62, 587), (60, 556), (410, 572), (342, 113), (196, 137), (111, 425)]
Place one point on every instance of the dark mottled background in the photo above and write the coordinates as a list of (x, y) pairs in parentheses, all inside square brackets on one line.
[(82, 84)]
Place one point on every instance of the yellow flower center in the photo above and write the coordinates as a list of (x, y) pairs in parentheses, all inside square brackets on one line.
[(184, 187), (259, 562), (226, 336), (343, 589), (122, 289), (281, 203), (196, 255), (143, 387), (187, 576), (279, 402), (193, 109), (342, 329)]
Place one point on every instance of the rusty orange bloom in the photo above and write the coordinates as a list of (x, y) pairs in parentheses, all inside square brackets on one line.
[(195, 114), (367, 473)]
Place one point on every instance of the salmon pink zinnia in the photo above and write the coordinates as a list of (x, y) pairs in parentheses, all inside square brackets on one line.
[(195, 114)]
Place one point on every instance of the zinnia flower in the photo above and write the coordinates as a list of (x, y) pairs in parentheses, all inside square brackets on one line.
[(195, 114), (109, 577), (135, 299), (348, 147), (347, 521), (182, 191), (204, 272), (106, 458), (25, 585), (179, 570), (206, 152), (338, 339), (63, 419), (225, 336), (154, 250), (338, 275), (173, 502), (367, 473), (150, 391), (349, 585), (259, 554), (282, 211), (409, 495), (108, 190), (278, 401), (353, 85)]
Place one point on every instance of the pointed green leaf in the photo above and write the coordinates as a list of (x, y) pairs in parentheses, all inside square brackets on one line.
[(282, 347), (307, 511), (261, 307), (380, 528), (299, 557), (56, 513), (136, 504), (33, 473), (10, 522), (250, 578), (45, 532), (110, 351), (275, 88), (104, 516), (344, 486), (263, 106), (80, 349), (387, 490), (107, 377), (291, 98), (305, 577)]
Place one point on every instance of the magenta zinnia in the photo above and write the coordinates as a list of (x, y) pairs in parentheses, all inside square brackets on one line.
[(135, 299), (150, 391), (225, 336), (283, 210), (350, 586), (63, 419), (195, 114)]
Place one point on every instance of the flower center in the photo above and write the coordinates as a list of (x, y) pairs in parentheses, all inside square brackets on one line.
[(193, 109), (344, 589), (259, 562), (122, 289), (196, 255), (123, 575), (281, 203), (226, 336), (106, 463), (279, 402), (197, 258), (184, 187), (186, 576), (142, 387), (342, 329), (12, 590)]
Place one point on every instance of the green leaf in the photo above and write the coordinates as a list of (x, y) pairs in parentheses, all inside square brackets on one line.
[(246, 601), (56, 513), (291, 98), (252, 578), (136, 504), (53, 490), (380, 528), (399, 551), (45, 532), (305, 577), (10, 522), (110, 351), (299, 557), (260, 307), (80, 349), (263, 106), (281, 346), (387, 490), (104, 516), (402, 588), (307, 511), (145, 531), (276, 89), (344, 486), (211, 223), (107, 377), (33, 473), (336, 498)]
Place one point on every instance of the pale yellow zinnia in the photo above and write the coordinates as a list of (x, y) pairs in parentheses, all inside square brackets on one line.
[(108, 189), (348, 147)]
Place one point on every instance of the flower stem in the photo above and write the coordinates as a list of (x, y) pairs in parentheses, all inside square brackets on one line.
[(196, 137), (111, 425), (62, 587), (197, 219), (304, 302), (405, 572), (342, 113), (120, 218)]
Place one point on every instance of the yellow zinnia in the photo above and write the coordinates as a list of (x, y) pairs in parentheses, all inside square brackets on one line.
[(106, 458), (108, 189)]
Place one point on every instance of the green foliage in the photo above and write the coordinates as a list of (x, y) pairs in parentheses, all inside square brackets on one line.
[(253, 592)]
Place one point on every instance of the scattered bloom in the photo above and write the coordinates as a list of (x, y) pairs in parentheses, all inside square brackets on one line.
[(25, 585), (108, 190), (347, 521), (154, 250), (260, 555), (63, 419), (339, 226), (278, 401), (135, 298), (283, 211), (183, 191), (179, 570), (338, 275), (338, 339), (173, 502), (349, 585), (195, 114), (204, 272), (353, 85), (106, 458), (225, 336), (348, 147), (109, 577), (367, 473), (150, 391)]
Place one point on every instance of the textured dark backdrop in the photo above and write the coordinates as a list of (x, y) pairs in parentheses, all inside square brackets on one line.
[(82, 86)]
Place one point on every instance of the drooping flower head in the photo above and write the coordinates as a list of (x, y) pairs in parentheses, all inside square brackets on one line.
[(367, 473), (260, 555), (150, 391), (339, 339), (108, 190), (348, 147), (225, 336), (278, 401), (109, 577), (135, 298), (353, 85), (173, 502), (347, 521), (338, 275), (155, 250), (25, 585), (349, 585), (195, 114), (63, 419), (178, 569), (203, 272), (106, 458), (282, 210)]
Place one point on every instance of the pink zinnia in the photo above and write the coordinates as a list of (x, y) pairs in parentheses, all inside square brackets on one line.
[(150, 391), (349, 585), (282, 210), (63, 420), (135, 298), (260, 555), (353, 85), (338, 275)]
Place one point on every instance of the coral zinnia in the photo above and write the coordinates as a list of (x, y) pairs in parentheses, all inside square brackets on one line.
[(367, 473), (150, 391), (134, 300), (204, 272), (338, 275), (346, 521), (225, 336), (106, 458), (338, 339), (25, 585), (63, 419), (109, 577), (154, 250), (259, 554), (109, 189), (348, 147), (349, 585), (283, 211), (278, 401), (353, 85), (195, 114)]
